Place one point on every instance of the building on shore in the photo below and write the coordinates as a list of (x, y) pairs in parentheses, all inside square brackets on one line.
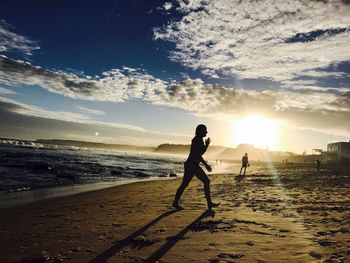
[(338, 151)]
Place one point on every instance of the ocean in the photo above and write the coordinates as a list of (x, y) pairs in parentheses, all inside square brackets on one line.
[(35, 166), (31, 171)]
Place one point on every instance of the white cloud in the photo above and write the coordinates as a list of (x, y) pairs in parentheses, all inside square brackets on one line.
[(292, 106), (167, 6), (115, 85), (19, 120), (10, 41), (256, 39), (89, 111), (35, 111), (32, 110), (7, 91)]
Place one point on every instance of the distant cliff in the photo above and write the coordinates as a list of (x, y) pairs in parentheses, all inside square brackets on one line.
[(121, 147), (173, 148)]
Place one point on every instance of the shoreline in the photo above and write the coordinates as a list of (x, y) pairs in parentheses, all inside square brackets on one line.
[(11, 200)]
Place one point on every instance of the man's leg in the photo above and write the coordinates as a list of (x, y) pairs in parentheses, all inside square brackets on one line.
[(188, 175), (206, 182)]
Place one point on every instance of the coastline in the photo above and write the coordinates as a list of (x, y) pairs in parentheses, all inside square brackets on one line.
[(11, 200), (297, 218)]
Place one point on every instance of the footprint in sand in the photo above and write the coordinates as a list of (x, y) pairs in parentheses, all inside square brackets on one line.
[(250, 243), (230, 256), (316, 255)]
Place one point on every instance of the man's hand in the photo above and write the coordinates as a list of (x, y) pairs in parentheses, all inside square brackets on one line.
[(207, 141), (208, 167)]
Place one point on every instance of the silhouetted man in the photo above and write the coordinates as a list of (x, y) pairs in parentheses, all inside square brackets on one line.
[(318, 164), (245, 164), (198, 148)]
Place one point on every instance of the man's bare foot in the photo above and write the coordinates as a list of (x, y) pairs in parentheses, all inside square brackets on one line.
[(211, 205), (177, 206)]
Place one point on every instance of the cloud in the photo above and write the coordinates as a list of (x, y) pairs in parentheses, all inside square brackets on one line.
[(298, 108), (89, 111), (317, 111), (31, 110), (116, 85), (10, 41), (7, 91), (10, 105), (167, 6), (24, 121), (276, 40)]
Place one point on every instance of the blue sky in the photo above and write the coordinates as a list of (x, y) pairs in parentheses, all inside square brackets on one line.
[(91, 36), (159, 68)]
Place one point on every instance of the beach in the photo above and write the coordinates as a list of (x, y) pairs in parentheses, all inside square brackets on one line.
[(276, 213)]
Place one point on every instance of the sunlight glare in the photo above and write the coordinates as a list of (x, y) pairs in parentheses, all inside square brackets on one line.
[(255, 130)]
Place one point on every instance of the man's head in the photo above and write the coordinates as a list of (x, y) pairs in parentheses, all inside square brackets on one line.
[(201, 130)]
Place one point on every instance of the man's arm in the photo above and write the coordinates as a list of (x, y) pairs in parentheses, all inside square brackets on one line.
[(206, 145), (207, 166)]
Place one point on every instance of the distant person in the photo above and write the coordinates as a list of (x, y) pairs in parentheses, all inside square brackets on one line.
[(245, 164), (198, 148), (318, 164)]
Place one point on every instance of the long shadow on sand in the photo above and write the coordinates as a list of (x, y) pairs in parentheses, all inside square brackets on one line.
[(104, 256), (157, 255)]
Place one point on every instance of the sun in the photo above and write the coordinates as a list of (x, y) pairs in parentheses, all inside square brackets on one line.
[(255, 130)]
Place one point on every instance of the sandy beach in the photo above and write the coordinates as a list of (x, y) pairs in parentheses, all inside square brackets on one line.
[(277, 213)]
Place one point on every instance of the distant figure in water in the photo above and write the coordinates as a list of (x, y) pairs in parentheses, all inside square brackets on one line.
[(245, 164), (198, 148), (318, 164)]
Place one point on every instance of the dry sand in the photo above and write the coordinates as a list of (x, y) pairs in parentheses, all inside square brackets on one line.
[(279, 213)]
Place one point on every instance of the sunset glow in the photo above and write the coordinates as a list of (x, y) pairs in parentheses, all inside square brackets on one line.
[(255, 130)]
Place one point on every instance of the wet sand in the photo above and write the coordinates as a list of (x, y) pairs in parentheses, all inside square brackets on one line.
[(281, 213), (21, 198)]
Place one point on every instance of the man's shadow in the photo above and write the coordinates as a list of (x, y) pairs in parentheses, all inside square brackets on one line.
[(157, 255), (104, 256), (239, 178)]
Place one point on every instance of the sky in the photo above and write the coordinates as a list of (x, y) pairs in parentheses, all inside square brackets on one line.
[(270, 73)]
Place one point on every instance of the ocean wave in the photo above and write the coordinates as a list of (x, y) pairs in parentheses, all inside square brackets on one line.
[(26, 166)]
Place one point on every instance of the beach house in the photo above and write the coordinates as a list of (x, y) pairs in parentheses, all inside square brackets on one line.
[(339, 151)]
